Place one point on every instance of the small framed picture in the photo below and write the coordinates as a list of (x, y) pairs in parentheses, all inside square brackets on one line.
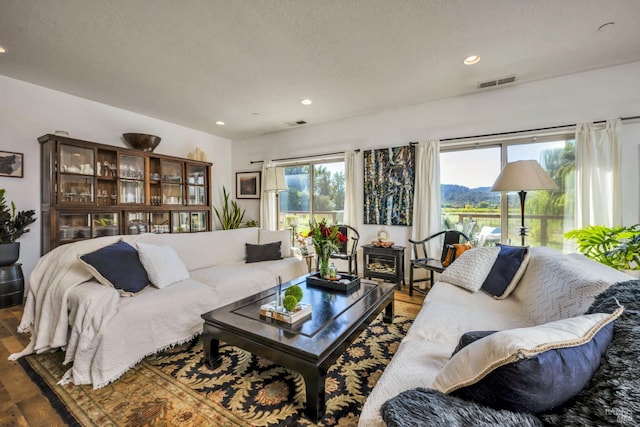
[(11, 164), (248, 185)]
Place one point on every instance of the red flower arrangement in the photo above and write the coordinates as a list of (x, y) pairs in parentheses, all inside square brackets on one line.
[(327, 239)]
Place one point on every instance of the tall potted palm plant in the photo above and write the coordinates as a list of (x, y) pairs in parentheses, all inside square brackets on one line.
[(12, 225)]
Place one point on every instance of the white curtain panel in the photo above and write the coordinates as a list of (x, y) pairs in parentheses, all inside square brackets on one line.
[(427, 218), (598, 175), (268, 209), (350, 158)]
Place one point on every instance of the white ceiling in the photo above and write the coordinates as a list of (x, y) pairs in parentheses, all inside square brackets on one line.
[(249, 62)]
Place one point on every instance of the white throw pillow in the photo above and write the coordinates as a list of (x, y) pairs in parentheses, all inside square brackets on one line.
[(284, 236), (164, 266), (472, 268)]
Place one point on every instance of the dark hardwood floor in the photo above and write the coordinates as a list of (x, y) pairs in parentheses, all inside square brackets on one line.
[(21, 402)]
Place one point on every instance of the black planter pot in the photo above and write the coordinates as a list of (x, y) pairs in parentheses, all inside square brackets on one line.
[(9, 253)]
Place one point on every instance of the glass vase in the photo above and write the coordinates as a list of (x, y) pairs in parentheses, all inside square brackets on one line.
[(324, 266)]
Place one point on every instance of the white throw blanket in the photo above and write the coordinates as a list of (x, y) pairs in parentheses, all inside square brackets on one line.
[(46, 312)]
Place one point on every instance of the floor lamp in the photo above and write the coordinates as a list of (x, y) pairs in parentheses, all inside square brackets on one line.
[(523, 176), (275, 183)]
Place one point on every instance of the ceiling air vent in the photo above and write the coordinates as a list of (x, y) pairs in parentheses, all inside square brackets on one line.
[(296, 123), (497, 82)]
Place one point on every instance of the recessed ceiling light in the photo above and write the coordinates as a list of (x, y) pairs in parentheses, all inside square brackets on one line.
[(470, 60), (2, 50), (220, 123), (306, 101)]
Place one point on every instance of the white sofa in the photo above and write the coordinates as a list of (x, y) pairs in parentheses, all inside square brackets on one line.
[(554, 286), (104, 334)]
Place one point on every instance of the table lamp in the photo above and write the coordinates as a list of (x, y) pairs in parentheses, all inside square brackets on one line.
[(523, 176)]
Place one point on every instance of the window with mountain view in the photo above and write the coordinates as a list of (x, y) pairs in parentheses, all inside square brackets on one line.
[(469, 205), (316, 190)]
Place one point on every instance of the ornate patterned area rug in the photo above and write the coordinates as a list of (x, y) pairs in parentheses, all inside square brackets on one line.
[(174, 387)]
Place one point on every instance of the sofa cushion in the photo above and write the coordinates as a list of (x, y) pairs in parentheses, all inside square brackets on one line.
[(284, 236), (470, 270), (555, 286), (118, 266), (529, 369), (506, 271), (163, 265), (206, 248), (426, 407), (266, 252)]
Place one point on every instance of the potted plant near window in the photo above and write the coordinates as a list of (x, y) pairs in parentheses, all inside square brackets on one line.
[(12, 226), (617, 247), (231, 215)]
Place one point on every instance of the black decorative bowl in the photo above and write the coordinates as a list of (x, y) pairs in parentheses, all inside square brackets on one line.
[(142, 141)]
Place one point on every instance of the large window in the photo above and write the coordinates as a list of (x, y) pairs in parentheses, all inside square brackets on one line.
[(316, 190), (467, 175)]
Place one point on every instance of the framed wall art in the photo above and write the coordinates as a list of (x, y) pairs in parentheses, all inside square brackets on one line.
[(248, 185), (388, 186), (11, 164)]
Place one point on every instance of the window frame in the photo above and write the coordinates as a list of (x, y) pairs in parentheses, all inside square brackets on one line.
[(311, 163), (503, 143)]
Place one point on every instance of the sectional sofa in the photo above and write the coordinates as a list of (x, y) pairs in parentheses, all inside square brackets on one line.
[(553, 287), (105, 333)]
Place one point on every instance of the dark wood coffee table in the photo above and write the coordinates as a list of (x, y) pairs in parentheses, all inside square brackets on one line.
[(309, 346)]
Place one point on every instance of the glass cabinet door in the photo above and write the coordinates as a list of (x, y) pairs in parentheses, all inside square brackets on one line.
[(76, 160), (136, 222), (105, 224), (198, 221), (196, 185), (172, 183), (160, 222), (77, 180), (171, 194), (75, 189), (73, 226), (132, 175), (181, 222)]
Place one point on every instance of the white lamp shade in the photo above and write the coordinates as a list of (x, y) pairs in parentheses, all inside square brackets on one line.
[(523, 175), (274, 180)]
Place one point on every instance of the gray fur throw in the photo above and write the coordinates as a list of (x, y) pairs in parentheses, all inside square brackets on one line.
[(612, 397), (425, 407)]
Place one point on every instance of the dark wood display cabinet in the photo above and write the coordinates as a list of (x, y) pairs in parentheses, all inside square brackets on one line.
[(91, 190), (384, 263)]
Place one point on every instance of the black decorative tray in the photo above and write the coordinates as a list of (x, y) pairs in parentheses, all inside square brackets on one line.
[(343, 282)]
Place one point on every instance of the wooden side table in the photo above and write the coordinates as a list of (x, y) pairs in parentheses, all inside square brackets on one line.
[(384, 263)]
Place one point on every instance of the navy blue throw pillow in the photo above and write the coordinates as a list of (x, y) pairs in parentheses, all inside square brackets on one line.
[(117, 265), (506, 271), (539, 383), (469, 337)]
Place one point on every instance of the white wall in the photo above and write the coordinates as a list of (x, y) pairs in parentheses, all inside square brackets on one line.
[(28, 111), (595, 95)]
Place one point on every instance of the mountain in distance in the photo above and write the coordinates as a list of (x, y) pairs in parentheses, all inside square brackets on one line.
[(459, 196)]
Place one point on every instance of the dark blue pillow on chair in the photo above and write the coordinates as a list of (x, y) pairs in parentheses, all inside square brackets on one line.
[(506, 271), (118, 266)]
